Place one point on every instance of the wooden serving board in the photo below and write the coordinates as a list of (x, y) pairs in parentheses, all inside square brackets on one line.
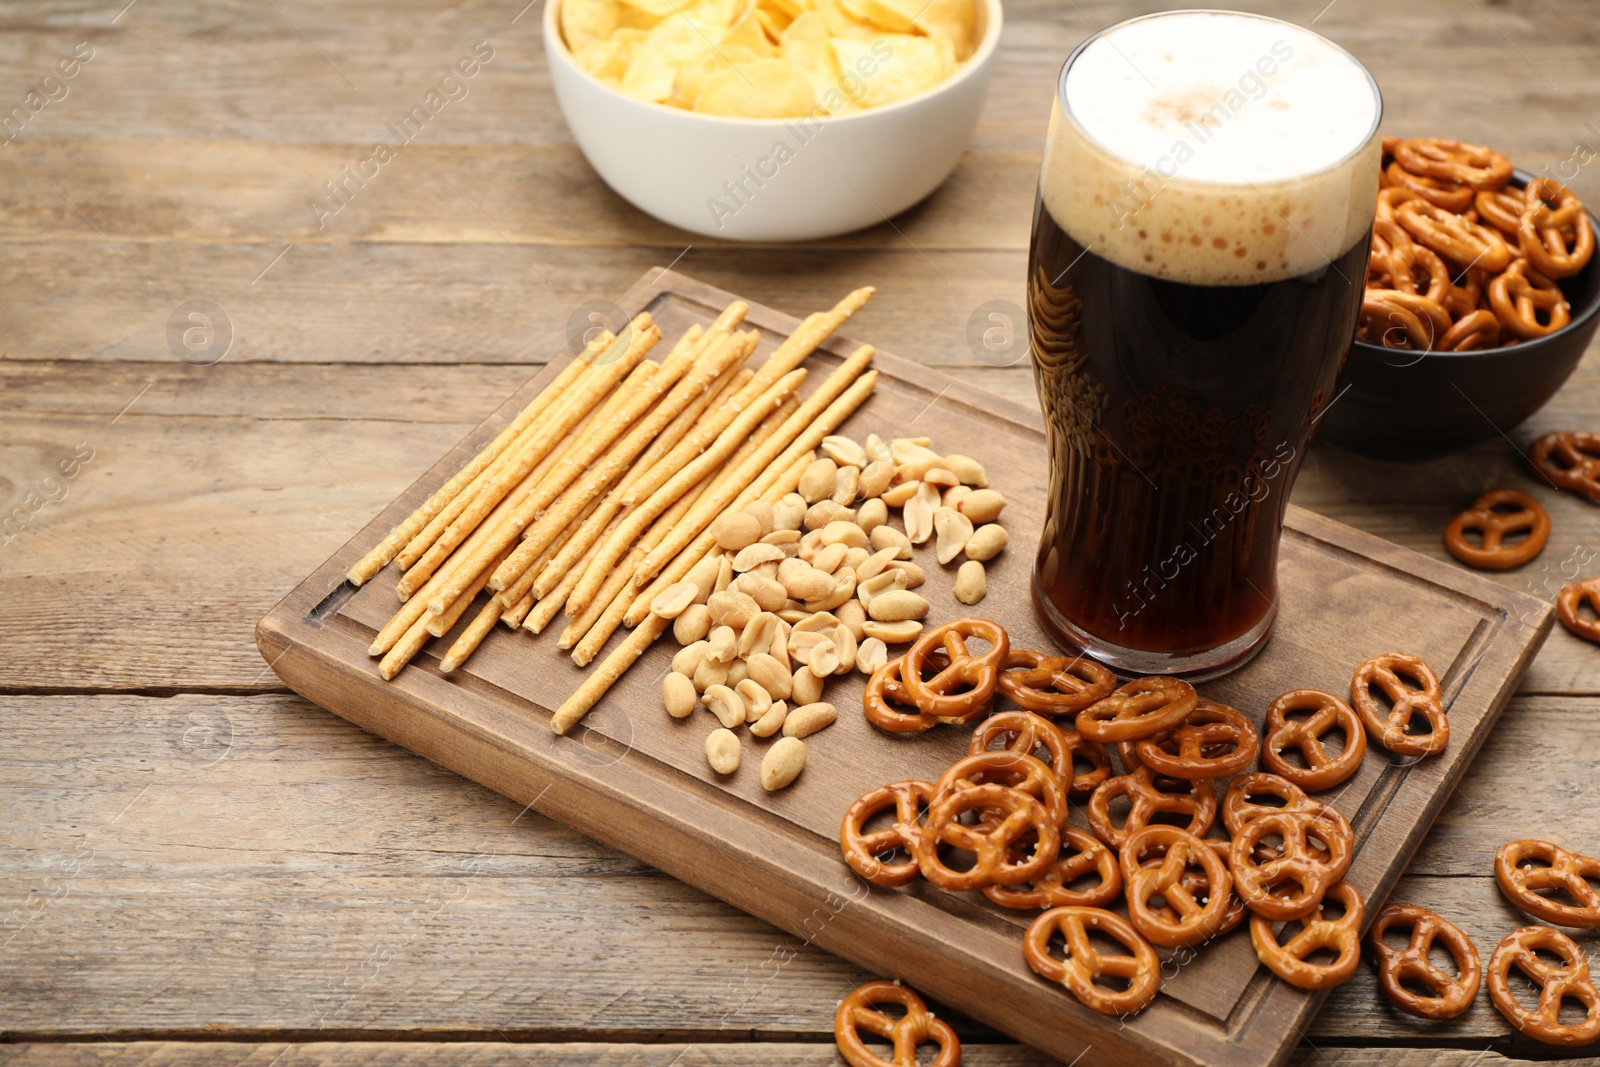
[(638, 780)]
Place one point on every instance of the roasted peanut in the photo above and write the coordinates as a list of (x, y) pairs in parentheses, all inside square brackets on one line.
[(847, 534), (871, 515), (913, 573), (816, 483), (897, 605), (734, 530), (818, 622), (982, 505), (918, 513), (757, 634), (710, 673), (845, 484), (844, 587), (845, 641), (875, 478), (725, 704), (844, 452), (851, 614), (878, 449), (893, 633), (896, 495), (806, 686), (761, 511), (854, 558), (692, 625), (770, 675), (831, 555), (724, 575), (987, 542), (733, 608), (756, 699), (724, 645), (768, 593), (940, 477), (888, 537), (772, 721), (704, 575), (969, 470), (954, 495), (871, 654), (808, 719), (722, 751), (752, 556), (738, 671), (972, 583), (883, 582), (673, 600), (783, 763), (823, 512), (952, 530), (677, 693), (824, 659), (788, 512), (689, 656)]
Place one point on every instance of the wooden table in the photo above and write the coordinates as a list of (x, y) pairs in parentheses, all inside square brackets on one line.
[(200, 868)]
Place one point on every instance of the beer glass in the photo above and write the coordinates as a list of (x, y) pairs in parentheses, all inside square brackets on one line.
[(1195, 275)]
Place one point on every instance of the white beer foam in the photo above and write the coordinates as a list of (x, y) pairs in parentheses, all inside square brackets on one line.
[(1213, 148)]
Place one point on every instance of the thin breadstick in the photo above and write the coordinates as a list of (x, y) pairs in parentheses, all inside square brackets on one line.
[(605, 676), (472, 636), (713, 457), (418, 633), (551, 603), (559, 513), (807, 337), (702, 433), (771, 491), (374, 561), (618, 597), (731, 381), (417, 606), (589, 536), (617, 580), (514, 615), (590, 393), (590, 631), (803, 430), (524, 585), (536, 430), (439, 625)]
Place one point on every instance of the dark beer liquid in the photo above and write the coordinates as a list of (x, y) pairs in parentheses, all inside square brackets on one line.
[(1177, 418)]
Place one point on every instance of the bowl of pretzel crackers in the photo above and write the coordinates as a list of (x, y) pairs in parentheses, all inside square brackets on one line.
[(1482, 294)]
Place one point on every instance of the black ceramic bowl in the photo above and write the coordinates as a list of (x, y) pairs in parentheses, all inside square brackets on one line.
[(1421, 405)]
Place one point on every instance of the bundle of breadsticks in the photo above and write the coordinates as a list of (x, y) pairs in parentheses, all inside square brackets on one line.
[(599, 494)]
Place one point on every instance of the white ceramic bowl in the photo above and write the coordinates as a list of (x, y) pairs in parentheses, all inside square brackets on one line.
[(729, 177)]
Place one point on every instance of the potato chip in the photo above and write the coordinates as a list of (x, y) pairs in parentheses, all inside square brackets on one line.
[(773, 21), (791, 8), (890, 67), (842, 23), (608, 59), (807, 45), (892, 15), (765, 89), (583, 22), (748, 34), (670, 45), (954, 21), (769, 58), (693, 76)]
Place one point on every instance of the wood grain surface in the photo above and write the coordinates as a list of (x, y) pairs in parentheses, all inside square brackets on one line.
[(242, 899)]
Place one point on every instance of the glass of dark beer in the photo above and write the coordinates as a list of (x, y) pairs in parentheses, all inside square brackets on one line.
[(1199, 249)]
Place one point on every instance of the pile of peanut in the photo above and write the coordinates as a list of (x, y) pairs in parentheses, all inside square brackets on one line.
[(820, 584)]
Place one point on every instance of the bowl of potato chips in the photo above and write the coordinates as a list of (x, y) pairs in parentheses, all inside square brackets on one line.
[(772, 120)]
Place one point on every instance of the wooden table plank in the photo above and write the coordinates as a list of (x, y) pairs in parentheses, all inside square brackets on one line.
[(252, 864), (609, 1054), (272, 476)]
